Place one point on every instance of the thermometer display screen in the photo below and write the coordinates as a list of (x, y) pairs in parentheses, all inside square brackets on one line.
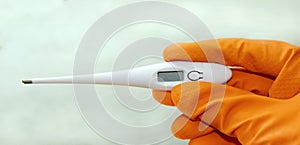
[(170, 76)]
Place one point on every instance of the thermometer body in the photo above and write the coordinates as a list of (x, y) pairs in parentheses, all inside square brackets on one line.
[(161, 76)]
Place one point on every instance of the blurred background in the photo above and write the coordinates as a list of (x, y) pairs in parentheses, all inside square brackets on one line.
[(40, 38)]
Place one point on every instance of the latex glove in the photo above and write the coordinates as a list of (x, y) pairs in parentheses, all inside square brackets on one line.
[(261, 103)]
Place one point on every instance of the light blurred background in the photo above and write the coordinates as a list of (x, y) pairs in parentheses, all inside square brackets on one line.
[(40, 38)]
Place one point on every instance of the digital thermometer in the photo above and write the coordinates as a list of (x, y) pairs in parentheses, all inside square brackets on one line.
[(161, 76)]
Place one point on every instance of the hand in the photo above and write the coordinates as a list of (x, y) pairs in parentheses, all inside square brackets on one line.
[(261, 103)]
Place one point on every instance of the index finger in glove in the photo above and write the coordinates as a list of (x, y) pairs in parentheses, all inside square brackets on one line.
[(243, 80)]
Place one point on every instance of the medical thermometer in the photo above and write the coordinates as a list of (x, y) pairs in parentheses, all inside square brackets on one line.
[(161, 76)]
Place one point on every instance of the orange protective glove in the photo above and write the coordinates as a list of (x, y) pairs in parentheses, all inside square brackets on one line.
[(261, 103)]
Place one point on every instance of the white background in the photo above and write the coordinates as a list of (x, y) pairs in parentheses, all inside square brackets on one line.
[(40, 38)]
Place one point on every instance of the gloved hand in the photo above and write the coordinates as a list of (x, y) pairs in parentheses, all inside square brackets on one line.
[(261, 104)]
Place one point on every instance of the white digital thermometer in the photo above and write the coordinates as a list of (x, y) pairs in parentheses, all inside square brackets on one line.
[(161, 76)]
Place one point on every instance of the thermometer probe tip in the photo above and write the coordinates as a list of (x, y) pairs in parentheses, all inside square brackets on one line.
[(26, 81)]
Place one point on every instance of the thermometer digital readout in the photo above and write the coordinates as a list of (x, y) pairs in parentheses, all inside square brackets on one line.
[(161, 76)]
